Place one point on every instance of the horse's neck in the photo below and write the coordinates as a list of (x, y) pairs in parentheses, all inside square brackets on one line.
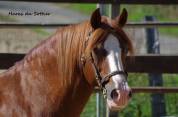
[(67, 95), (43, 87), (75, 99), (33, 82)]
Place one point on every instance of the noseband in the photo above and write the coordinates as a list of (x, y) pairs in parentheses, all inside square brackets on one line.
[(102, 81)]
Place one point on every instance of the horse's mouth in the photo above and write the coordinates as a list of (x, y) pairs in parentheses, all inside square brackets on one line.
[(115, 106)]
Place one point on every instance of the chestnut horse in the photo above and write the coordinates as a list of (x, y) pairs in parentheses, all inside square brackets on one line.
[(57, 77)]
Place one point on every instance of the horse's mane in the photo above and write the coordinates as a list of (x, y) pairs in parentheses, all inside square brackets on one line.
[(74, 42), (71, 43)]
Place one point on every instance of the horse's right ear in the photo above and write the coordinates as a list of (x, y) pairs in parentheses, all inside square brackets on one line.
[(95, 19)]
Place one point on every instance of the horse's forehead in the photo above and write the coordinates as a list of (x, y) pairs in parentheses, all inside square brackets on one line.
[(111, 43), (108, 21)]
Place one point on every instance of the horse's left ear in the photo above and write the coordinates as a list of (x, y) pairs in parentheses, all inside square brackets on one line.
[(95, 19), (122, 19)]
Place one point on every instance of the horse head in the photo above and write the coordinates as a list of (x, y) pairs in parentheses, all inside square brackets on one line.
[(104, 58)]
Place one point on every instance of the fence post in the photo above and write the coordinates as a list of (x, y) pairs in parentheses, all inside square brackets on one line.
[(101, 104), (153, 46)]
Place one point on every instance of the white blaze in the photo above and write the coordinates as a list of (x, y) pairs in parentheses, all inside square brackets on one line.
[(112, 46)]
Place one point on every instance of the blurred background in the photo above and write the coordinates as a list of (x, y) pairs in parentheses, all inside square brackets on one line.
[(22, 39)]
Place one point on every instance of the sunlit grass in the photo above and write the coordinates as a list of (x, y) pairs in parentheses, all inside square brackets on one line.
[(41, 31), (137, 13), (6, 18)]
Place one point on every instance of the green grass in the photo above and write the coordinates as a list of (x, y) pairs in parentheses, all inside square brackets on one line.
[(41, 31), (169, 31), (138, 12), (90, 108), (140, 104), (171, 80), (161, 13), (83, 8), (6, 18)]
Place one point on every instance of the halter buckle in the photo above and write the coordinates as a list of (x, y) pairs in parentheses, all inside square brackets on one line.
[(104, 91)]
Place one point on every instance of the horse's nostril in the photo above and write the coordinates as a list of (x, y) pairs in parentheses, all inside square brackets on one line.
[(114, 94), (130, 94)]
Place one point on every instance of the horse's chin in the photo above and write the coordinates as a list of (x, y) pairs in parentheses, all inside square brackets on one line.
[(114, 106)]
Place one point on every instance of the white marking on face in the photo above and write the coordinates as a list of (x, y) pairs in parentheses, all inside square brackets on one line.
[(112, 46)]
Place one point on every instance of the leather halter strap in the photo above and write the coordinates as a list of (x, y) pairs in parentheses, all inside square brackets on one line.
[(106, 79), (101, 81)]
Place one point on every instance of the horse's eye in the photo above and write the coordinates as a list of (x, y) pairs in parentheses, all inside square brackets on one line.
[(96, 50), (104, 52), (100, 52)]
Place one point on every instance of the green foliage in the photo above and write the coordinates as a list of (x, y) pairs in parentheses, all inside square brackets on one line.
[(138, 12), (171, 99), (162, 13), (90, 108), (140, 104), (83, 8), (41, 31), (6, 18)]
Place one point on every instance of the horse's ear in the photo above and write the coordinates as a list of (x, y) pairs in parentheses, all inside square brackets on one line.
[(122, 19), (96, 19)]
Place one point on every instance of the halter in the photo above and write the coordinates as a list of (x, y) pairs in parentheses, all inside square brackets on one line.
[(102, 81)]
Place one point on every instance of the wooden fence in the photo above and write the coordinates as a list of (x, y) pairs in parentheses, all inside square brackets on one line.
[(138, 64)]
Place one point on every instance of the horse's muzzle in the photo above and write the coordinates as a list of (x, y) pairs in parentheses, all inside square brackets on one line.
[(120, 99)]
